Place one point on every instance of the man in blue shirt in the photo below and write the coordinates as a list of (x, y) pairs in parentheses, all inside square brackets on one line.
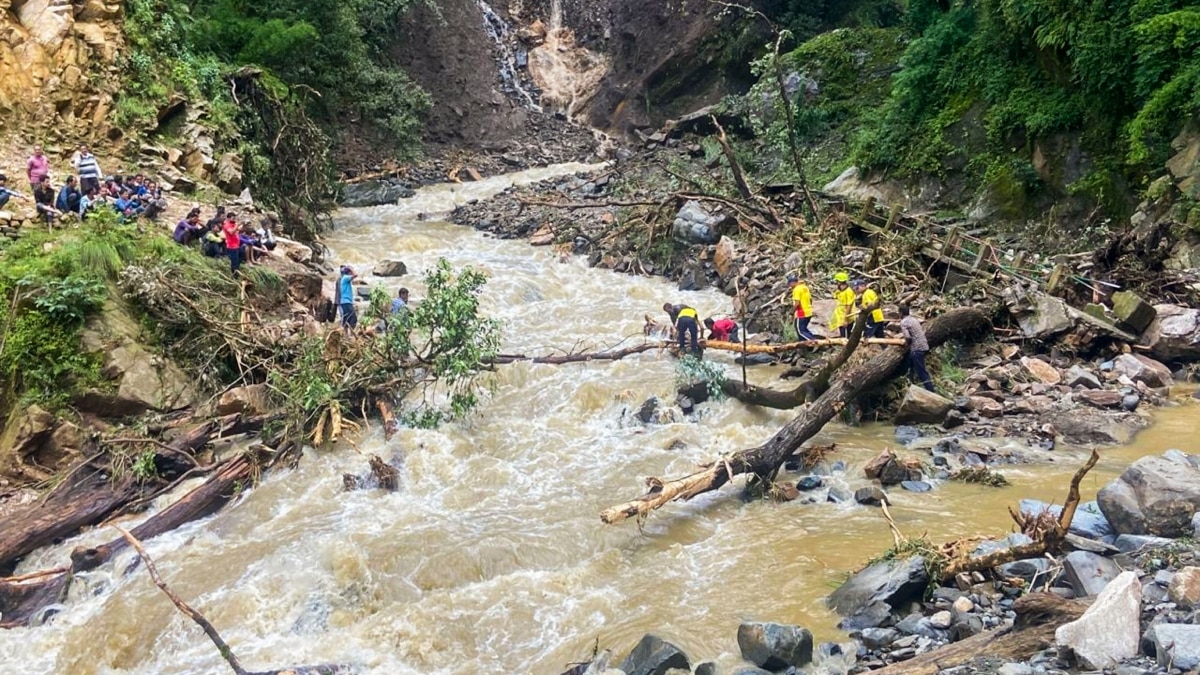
[(6, 193), (345, 293)]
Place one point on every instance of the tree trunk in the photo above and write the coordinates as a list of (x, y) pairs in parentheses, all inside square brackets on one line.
[(765, 459), (20, 600), (1038, 616)]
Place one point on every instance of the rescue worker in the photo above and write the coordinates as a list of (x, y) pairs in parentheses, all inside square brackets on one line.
[(843, 311), (722, 330), (686, 320), (866, 298), (802, 302)]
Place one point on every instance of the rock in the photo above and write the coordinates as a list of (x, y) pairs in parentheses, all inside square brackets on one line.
[(1015, 669), (986, 407), (145, 382), (890, 582), (1043, 371), (1078, 376), (963, 605), (1196, 526), (905, 435), (1047, 318), (228, 175), (253, 399), (646, 413), (654, 656), (877, 638), (941, 620), (838, 495), (1088, 573), (374, 193), (390, 268), (27, 429), (1088, 522), (1100, 398), (694, 225), (916, 486), (706, 668), (954, 419), (1129, 402), (1143, 369), (1177, 645), (1174, 333), (1133, 313), (809, 483), (899, 471), (1110, 630), (723, 257), (921, 406), (1153, 496), (1184, 589), (869, 496), (1130, 543), (775, 646)]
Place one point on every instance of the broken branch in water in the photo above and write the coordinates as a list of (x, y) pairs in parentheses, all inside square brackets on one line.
[(766, 458)]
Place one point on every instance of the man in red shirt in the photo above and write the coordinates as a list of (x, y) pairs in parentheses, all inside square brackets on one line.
[(233, 243), (722, 330)]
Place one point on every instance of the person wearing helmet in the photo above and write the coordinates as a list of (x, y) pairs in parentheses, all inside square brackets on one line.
[(843, 310), (867, 297), (686, 321), (802, 301)]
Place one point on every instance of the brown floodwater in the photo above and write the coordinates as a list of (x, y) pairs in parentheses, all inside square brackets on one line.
[(492, 557)]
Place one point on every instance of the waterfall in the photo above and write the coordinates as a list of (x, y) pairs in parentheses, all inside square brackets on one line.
[(506, 58)]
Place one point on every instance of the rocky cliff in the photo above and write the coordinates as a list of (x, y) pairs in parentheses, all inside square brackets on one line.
[(58, 67)]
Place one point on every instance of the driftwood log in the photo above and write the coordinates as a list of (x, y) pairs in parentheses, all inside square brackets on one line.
[(91, 494), (1038, 616), (21, 598), (618, 354), (766, 459)]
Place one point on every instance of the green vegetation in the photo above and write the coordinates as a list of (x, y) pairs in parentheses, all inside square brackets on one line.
[(690, 370), (1025, 99)]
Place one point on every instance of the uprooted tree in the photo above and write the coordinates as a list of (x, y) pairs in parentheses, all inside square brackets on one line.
[(851, 380)]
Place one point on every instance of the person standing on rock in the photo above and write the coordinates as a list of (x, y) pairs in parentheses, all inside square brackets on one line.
[(918, 346), (844, 309), (802, 302), (345, 298), (233, 242), (88, 169), (867, 297), (37, 168), (686, 321)]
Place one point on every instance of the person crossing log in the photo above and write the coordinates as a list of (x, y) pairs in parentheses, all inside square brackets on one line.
[(765, 459)]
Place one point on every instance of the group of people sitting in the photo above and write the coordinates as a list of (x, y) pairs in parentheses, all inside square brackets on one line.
[(86, 190), (223, 236)]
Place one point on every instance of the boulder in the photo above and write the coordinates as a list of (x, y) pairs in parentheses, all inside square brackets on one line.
[(1153, 496), (1100, 398), (1177, 645), (1043, 371), (1174, 333), (1088, 573), (23, 436), (228, 174), (695, 225), (921, 406), (890, 582), (1078, 376), (723, 257), (1110, 630), (1089, 520), (144, 381), (1133, 543), (986, 407), (870, 496), (1133, 313), (1048, 317), (390, 268), (1143, 369), (252, 399), (374, 193), (654, 656), (775, 646), (1184, 589)]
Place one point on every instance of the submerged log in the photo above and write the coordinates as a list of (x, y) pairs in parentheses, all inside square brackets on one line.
[(765, 459), (91, 494), (22, 598)]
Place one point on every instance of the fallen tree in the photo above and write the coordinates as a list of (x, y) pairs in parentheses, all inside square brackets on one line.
[(766, 459), (719, 345)]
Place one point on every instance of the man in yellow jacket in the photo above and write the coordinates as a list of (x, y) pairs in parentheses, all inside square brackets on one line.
[(843, 311), (802, 302), (867, 297)]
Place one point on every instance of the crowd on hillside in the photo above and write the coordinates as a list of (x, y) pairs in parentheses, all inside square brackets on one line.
[(88, 189), (85, 190)]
